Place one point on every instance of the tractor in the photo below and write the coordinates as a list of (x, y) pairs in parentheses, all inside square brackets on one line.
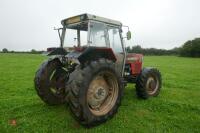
[(91, 68)]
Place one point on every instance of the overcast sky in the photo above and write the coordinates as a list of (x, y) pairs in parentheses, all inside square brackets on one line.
[(28, 24)]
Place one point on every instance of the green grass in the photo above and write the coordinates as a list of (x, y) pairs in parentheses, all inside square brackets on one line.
[(176, 109)]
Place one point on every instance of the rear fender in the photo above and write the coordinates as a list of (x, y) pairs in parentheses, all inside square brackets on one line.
[(95, 53), (56, 51)]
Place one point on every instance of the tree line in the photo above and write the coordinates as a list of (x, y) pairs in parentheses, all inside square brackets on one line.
[(33, 51), (152, 51), (190, 48)]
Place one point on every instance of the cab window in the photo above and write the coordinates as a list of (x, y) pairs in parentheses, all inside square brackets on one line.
[(115, 40), (98, 35)]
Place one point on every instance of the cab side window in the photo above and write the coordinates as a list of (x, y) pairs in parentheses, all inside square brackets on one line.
[(115, 40)]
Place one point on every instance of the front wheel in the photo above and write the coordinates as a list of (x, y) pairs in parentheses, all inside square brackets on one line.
[(148, 83), (50, 82)]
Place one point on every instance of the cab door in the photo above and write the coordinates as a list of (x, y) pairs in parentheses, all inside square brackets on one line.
[(115, 43)]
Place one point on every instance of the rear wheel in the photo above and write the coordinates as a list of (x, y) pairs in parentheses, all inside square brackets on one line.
[(95, 92), (148, 83), (50, 82)]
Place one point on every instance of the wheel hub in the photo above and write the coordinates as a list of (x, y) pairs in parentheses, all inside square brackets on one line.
[(98, 92), (102, 93), (152, 85)]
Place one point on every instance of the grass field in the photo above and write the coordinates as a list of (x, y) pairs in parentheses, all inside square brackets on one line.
[(176, 109)]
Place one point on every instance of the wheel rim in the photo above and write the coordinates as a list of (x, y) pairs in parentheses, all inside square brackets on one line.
[(102, 93), (57, 81), (152, 85)]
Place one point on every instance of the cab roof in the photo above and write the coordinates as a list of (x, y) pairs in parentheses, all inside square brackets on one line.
[(86, 16)]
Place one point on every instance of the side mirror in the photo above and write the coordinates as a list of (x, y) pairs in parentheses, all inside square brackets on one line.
[(128, 35)]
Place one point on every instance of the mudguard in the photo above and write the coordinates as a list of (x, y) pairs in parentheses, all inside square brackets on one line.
[(95, 53), (57, 51)]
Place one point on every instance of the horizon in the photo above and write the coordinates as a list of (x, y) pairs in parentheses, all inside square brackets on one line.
[(28, 50)]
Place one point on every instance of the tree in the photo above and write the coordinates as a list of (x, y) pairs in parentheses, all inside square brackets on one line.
[(5, 50), (191, 48), (137, 49), (33, 51), (128, 49)]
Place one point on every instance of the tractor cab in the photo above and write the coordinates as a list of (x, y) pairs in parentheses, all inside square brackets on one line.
[(91, 30), (85, 32)]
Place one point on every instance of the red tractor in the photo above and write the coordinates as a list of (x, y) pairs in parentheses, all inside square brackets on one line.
[(91, 75)]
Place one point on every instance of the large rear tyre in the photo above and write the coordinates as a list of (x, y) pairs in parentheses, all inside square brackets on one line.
[(95, 92), (148, 83), (50, 82)]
